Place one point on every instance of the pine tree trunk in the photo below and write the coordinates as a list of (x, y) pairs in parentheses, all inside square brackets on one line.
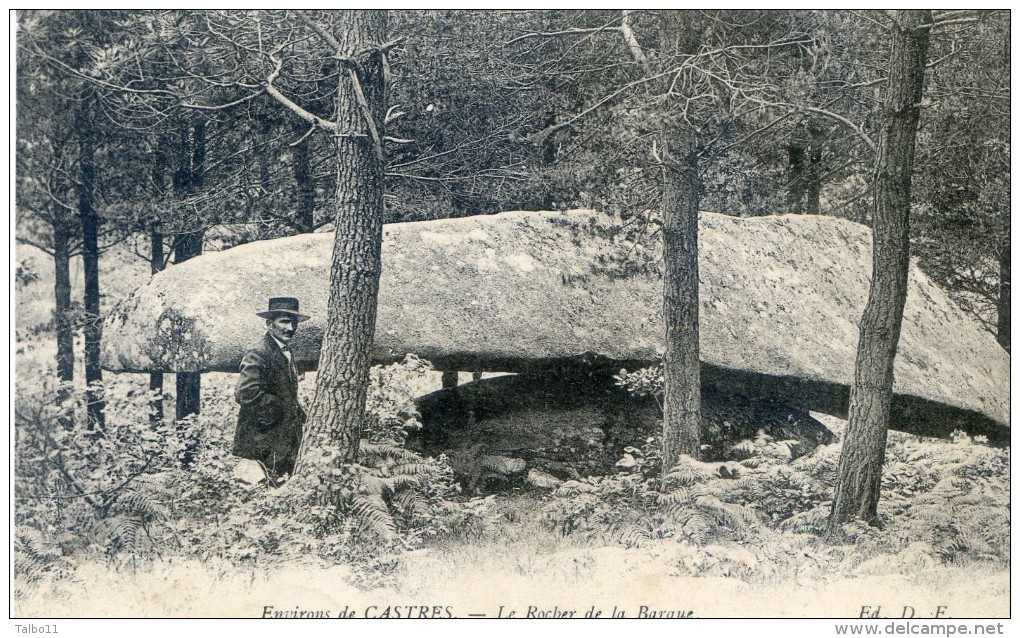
[(62, 297), (189, 394), (1002, 332), (681, 200), (62, 317), (338, 410), (161, 168), (813, 187), (188, 384), (90, 260), (795, 185), (156, 258), (188, 245), (859, 475), (681, 429)]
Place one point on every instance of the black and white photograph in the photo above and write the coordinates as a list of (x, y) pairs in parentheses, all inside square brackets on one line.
[(511, 314)]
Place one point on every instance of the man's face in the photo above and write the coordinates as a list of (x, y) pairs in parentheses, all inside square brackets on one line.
[(282, 327)]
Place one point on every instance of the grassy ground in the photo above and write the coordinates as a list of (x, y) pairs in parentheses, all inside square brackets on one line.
[(521, 567)]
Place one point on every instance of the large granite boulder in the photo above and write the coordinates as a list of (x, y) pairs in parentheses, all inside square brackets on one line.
[(523, 291)]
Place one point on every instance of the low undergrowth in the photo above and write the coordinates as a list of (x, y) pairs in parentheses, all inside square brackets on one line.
[(140, 496), (137, 491), (944, 503)]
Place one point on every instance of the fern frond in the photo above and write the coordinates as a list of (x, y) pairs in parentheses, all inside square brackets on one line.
[(376, 486), (372, 454), (678, 496), (371, 514), (688, 471), (735, 516), (410, 504), (128, 533), (403, 481), (624, 532), (813, 520), (417, 468), (30, 542), (33, 555), (696, 528), (573, 488), (140, 503), (633, 536)]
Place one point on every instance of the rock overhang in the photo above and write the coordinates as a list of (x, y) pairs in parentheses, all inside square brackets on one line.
[(524, 291)]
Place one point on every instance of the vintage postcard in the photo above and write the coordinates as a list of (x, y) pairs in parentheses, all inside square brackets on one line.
[(572, 314)]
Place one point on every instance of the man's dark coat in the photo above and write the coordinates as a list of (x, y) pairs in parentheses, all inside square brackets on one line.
[(271, 419)]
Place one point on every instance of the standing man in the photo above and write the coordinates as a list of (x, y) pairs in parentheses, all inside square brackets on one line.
[(271, 420)]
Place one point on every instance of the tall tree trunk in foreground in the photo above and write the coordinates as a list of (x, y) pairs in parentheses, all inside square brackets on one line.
[(337, 413), (681, 201), (859, 475), (84, 125), (681, 428)]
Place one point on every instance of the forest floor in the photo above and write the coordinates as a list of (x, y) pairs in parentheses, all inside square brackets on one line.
[(524, 568)]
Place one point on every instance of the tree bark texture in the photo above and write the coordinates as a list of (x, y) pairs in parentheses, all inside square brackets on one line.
[(795, 185), (680, 200), (813, 188), (62, 297), (157, 260), (93, 328), (681, 364), (336, 416), (859, 474), (1002, 332), (62, 317), (156, 264), (189, 179)]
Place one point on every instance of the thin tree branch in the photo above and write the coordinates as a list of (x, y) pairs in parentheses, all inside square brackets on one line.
[(814, 109), (366, 112), (322, 33), (307, 116), (942, 23), (537, 137), (302, 138), (631, 40), (31, 242), (554, 34), (224, 106)]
